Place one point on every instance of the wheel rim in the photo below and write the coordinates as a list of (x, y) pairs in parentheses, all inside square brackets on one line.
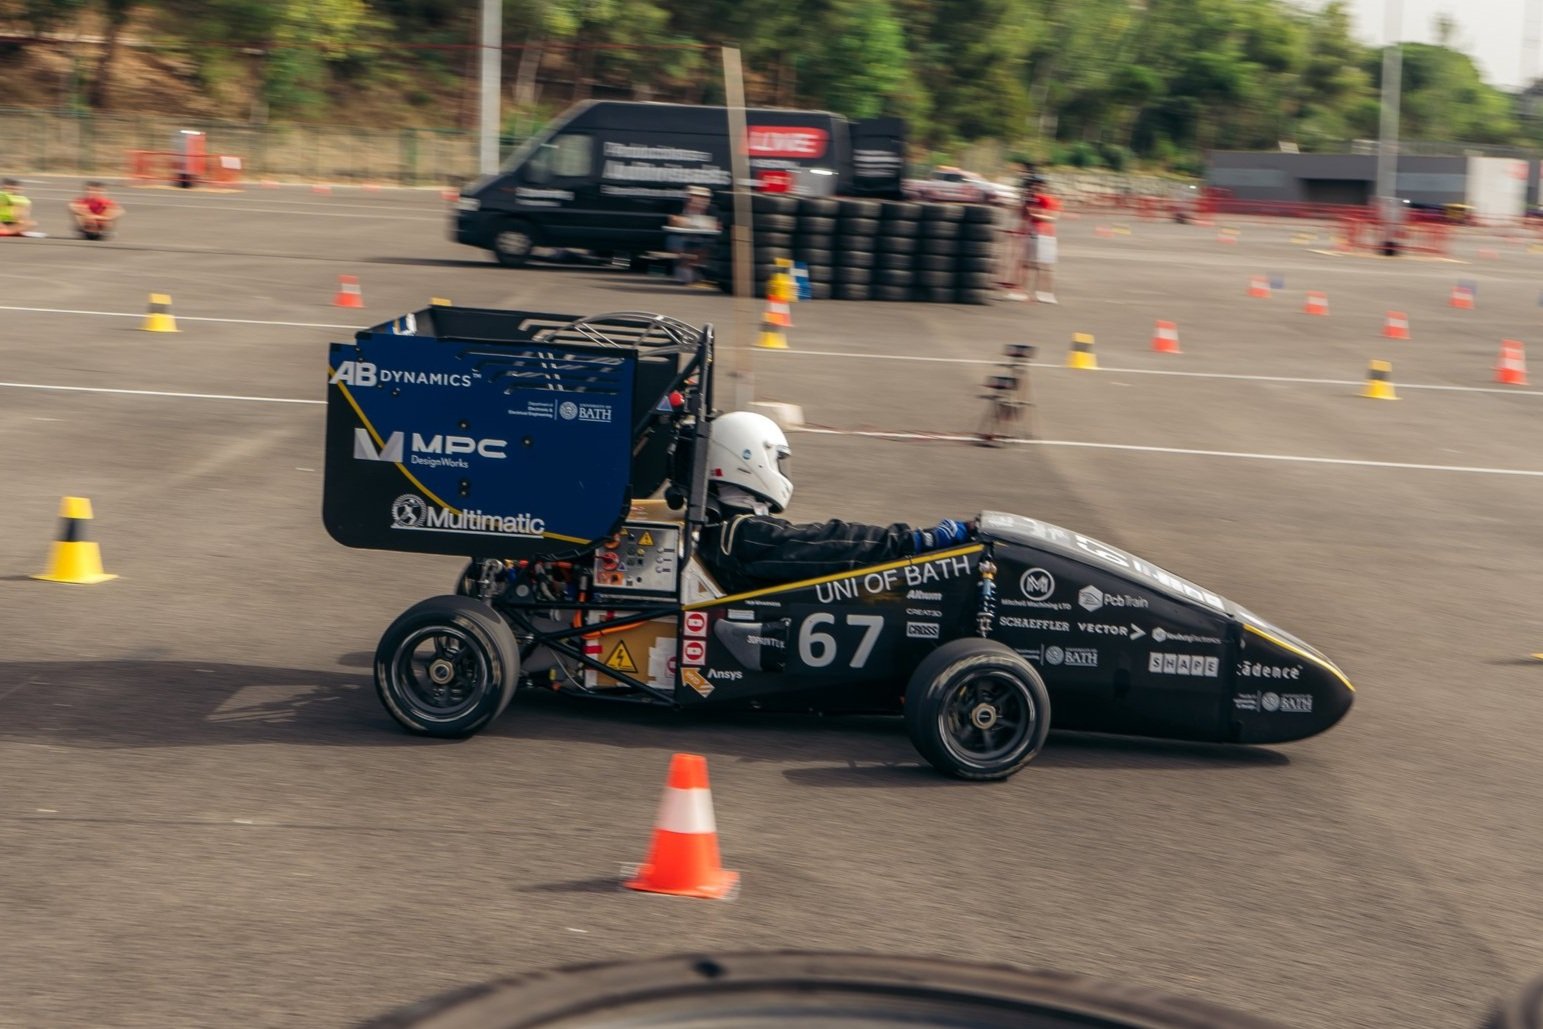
[(513, 242), (988, 718), (441, 672)]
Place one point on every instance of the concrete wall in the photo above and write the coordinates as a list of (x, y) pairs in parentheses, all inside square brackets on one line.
[(1334, 178)]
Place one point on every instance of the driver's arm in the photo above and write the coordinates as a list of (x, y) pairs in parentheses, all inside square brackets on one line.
[(774, 550)]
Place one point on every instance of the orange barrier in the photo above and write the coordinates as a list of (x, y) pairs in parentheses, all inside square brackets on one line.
[(1165, 338), (1512, 369), (169, 167)]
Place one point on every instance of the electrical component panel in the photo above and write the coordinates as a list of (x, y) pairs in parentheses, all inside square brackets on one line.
[(644, 557)]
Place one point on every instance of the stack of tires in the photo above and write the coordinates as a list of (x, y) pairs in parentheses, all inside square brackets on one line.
[(937, 252), (976, 255), (857, 231), (815, 243), (895, 251), (775, 219)]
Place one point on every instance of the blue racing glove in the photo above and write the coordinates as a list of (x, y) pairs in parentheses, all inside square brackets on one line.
[(946, 533)]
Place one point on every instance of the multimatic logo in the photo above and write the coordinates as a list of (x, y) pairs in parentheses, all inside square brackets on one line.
[(428, 451), (412, 513), (367, 373)]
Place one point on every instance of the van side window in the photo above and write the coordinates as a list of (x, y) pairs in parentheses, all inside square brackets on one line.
[(563, 157)]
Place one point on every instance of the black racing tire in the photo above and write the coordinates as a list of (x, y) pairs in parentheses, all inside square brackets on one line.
[(898, 277), (902, 210), (446, 667), (771, 203), (814, 241), (853, 291), (860, 208), (813, 256), (976, 709), (895, 262), (812, 224), (895, 244), (882, 292), (863, 228), (934, 295), (818, 207), (951, 213), (514, 242), (1524, 1011), (903, 229), (935, 263), (775, 223), (977, 214), (978, 247), (974, 280), (779, 240), (940, 246), (978, 233), (857, 258), (819, 290), (770, 255), (819, 272), (973, 296), (936, 280), (849, 276)]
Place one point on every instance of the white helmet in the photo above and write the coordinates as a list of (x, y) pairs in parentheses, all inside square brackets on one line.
[(749, 451)]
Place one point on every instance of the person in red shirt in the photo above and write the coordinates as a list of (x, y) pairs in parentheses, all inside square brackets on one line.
[(96, 214), (1042, 210)]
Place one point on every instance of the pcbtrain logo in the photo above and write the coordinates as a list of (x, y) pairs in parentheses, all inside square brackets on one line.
[(412, 513)]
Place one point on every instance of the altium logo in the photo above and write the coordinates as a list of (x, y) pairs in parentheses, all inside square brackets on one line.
[(430, 451)]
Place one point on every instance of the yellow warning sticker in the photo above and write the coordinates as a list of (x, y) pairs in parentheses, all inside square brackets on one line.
[(621, 659), (693, 678), (647, 540)]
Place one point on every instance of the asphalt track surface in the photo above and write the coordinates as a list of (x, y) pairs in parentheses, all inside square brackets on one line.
[(207, 819)]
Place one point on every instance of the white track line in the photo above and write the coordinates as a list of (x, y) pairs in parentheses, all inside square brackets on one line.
[(1182, 451), (189, 318), (876, 434), (156, 393)]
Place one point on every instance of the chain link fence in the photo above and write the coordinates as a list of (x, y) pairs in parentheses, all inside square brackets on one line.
[(88, 144)]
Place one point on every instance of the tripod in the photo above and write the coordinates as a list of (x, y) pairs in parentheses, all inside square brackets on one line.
[(1009, 398)]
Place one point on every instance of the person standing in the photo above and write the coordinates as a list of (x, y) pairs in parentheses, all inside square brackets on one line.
[(1043, 208), (1019, 255)]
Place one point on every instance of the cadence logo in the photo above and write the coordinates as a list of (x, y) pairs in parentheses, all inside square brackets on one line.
[(786, 141)]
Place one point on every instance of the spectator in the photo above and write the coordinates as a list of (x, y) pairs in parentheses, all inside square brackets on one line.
[(96, 214), (1042, 209), (1019, 253), (691, 233), (15, 211)]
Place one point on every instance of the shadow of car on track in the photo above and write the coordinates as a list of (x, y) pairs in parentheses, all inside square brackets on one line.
[(152, 703)]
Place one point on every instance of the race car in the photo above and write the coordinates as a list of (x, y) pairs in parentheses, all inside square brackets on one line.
[(565, 456)]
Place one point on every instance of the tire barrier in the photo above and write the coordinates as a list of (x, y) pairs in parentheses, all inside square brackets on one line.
[(873, 249)]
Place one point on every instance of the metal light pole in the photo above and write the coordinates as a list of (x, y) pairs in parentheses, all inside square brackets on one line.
[(1387, 147), (492, 73)]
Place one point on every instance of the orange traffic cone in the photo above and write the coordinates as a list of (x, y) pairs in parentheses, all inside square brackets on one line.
[(321, 189), (1462, 298), (348, 294), (1259, 286), (1165, 338), (1512, 369), (1396, 326), (1317, 303), (683, 860)]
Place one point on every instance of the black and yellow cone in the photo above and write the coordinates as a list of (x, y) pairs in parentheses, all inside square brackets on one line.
[(158, 318), (1379, 381), (1081, 354), (73, 558)]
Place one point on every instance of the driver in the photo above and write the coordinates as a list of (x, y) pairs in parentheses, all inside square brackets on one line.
[(745, 548)]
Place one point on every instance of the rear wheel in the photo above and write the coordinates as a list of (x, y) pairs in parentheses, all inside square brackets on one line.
[(446, 667), (975, 709), (513, 244)]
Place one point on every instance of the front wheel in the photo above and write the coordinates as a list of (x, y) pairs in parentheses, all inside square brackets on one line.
[(975, 709), (513, 244), (446, 667)]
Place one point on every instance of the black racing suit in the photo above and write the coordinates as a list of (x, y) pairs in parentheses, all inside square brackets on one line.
[(748, 551)]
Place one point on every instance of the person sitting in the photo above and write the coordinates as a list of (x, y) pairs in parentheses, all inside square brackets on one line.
[(746, 548), (96, 214), (15, 211), (690, 233)]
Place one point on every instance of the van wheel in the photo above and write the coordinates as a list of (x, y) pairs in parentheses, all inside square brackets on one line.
[(513, 244)]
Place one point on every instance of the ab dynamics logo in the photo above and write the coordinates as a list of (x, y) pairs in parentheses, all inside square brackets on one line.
[(409, 512)]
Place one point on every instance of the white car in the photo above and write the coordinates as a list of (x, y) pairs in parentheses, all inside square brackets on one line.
[(956, 186)]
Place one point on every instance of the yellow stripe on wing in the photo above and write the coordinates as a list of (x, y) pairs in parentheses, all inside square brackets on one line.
[(918, 559), (1315, 659)]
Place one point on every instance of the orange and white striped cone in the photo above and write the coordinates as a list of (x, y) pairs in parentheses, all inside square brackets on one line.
[(1396, 326), (1165, 338), (1462, 298), (348, 294), (1259, 286), (683, 859), (1512, 369), (1317, 303)]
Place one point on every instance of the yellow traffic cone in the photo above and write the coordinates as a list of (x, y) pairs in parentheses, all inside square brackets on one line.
[(772, 337), (158, 318), (1081, 354), (1379, 381), (73, 558), (438, 302)]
